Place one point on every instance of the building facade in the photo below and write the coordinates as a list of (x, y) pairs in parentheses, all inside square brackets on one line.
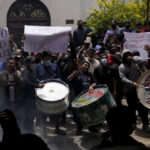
[(16, 13)]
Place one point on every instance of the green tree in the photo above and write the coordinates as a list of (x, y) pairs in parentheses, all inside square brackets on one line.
[(133, 10)]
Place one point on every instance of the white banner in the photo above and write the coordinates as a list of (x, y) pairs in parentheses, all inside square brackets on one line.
[(137, 41), (40, 38), (5, 49)]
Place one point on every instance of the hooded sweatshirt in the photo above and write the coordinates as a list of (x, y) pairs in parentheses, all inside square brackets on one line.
[(130, 74)]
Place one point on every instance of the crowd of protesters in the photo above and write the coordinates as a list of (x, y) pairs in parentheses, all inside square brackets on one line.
[(91, 59)]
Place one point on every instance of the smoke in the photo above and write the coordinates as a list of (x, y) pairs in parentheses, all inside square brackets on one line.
[(26, 114)]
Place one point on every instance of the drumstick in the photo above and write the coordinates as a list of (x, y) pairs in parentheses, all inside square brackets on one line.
[(146, 88), (141, 86)]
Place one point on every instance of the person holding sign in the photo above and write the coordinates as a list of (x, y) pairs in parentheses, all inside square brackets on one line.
[(146, 27)]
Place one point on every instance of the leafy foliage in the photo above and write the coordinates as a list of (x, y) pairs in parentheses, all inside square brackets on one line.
[(133, 10)]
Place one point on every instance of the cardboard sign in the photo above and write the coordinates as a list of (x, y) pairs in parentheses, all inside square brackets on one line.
[(5, 49), (137, 41), (40, 38)]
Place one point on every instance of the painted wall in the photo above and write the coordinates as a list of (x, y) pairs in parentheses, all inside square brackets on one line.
[(60, 10)]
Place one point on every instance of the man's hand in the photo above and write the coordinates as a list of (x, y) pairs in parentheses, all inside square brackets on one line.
[(147, 48), (83, 48), (41, 85), (135, 84), (74, 73), (91, 88)]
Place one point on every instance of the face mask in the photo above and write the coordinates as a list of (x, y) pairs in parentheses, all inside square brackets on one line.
[(104, 61), (47, 63), (66, 56), (32, 67)]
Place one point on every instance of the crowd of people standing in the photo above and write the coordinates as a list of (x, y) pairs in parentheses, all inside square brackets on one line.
[(90, 60)]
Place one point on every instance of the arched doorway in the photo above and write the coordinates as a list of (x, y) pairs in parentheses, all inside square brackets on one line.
[(26, 12)]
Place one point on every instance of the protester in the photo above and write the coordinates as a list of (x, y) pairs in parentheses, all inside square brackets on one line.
[(12, 137), (10, 87), (130, 73), (46, 70), (106, 74), (112, 34), (12, 43), (146, 27), (82, 80), (90, 58), (138, 27), (28, 101), (127, 27), (79, 34), (119, 137)]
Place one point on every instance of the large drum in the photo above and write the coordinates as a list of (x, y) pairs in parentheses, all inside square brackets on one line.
[(53, 97), (144, 92), (91, 108)]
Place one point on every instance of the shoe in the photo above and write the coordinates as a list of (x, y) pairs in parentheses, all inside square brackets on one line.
[(78, 132), (60, 132), (93, 129), (146, 128)]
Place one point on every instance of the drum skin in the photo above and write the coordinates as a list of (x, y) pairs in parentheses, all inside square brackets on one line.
[(94, 113), (53, 107), (142, 93)]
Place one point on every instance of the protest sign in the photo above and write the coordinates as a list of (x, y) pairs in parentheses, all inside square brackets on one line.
[(5, 49), (40, 38), (137, 41)]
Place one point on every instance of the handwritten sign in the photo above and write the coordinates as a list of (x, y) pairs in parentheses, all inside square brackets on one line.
[(5, 49), (137, 41), (40, 38)]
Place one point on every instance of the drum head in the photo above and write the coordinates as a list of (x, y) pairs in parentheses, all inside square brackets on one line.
[(91, 108), (53, 91), (86, 98), (144, 94)]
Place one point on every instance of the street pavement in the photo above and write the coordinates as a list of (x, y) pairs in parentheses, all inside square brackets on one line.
[(84, 142)]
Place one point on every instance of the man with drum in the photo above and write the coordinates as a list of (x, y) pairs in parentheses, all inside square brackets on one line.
[(82, 80), (28, 99), (46, 70), (130, 73)]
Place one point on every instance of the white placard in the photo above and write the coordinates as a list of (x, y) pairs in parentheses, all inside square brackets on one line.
[(137, 41), (5, 49), (40, 38)]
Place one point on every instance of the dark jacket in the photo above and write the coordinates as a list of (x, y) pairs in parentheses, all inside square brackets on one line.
[(4, 89), (79, 36), (30, 83), (77, 82)]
